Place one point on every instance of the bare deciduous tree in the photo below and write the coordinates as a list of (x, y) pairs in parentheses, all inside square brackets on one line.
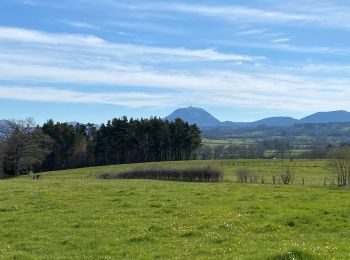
[(23, 145), (287, 175), (339, 164), (244, 175)]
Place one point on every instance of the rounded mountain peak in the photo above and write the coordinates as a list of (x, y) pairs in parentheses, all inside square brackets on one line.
[(194, 115)]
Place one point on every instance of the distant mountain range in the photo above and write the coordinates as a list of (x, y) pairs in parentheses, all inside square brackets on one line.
[(202, 118)]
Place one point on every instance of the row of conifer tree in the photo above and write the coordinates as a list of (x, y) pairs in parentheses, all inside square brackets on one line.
[(120, 140)]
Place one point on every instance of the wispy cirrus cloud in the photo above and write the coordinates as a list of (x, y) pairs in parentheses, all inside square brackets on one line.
[(32, 36), (310, 13), (230, 12), (86, 61), (56, 95), (281, 40), (280, 92), (277, 55), (252, 32), (146, 26), (284, 45), (82, 25)]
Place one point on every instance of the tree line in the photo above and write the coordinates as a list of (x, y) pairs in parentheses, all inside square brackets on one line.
[(26, 147)]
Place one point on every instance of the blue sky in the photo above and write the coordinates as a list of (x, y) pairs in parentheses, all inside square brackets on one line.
[(89, 61)]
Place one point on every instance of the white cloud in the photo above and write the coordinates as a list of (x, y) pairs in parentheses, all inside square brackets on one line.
[(37, 58), (319, 13), (31, 36), (311, 13), (286, 47), (252, 32), (281, 40), (80, 25), (230, 12), (126, 99), (226, 89), (344, 69), (146, 26)]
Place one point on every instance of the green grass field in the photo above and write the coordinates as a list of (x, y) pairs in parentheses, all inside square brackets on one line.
[(73, 215), (226, 141)]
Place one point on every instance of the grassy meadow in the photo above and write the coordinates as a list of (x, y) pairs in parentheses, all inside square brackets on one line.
[(73, 215)]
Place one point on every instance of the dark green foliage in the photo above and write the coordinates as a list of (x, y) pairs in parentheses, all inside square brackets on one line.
[(146, 140), (73, 145), (120, 141), (200, 174)]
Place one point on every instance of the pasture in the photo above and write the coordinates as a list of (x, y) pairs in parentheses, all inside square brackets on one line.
[(73, 215)]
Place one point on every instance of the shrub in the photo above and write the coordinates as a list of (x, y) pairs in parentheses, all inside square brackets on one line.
[(244, 175), (200, 174), (287, 175), (34, 176), (339, 164)]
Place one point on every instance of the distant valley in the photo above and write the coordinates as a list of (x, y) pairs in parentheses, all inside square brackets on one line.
[(313, 131)]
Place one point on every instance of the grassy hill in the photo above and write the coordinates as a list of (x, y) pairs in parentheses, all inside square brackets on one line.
[(73, 215)]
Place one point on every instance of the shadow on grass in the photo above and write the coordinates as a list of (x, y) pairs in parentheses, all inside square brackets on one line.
[(295, 254)]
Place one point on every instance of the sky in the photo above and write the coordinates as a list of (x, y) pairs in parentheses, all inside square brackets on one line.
[(90, 61)]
